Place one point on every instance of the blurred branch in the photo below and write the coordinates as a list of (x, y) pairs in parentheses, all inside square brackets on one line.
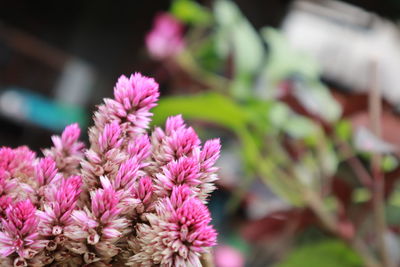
[(375, 110), (207, 260), (33, 47)]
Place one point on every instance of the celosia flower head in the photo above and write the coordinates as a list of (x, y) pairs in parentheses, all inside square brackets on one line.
[(127, 198), (20, 233)]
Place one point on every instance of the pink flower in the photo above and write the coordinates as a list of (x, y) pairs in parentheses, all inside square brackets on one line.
[(20, 231), (111, 137), (208, 172), (104, 204), (67, 151), (45, 171), (166, 37), (137, 94), (177, 141), (140, 147), (125, 195), (17, 162), (127, 174), (184, 171), (60, 203), (177, 235)]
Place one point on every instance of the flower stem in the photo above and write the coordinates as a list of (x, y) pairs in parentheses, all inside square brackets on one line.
[(375, 111)]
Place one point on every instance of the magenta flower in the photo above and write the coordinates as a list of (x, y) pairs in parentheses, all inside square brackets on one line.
[(67, 151), (60, 202), (45, 171), (20, 231), (166, 37), (128, 198), (178, 233)]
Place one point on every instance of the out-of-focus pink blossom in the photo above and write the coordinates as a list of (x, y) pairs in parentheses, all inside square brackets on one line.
[(166, 37), (227, 256)]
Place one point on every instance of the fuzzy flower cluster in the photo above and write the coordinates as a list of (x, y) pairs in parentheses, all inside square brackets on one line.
[(166, 37), (129, 198)]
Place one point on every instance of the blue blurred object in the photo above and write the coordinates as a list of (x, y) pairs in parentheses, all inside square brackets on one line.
[(27, 107)]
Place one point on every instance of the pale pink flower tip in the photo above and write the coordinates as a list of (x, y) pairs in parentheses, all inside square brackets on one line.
[(136, 92), (45, 171), (111, 136), (184, 171), (70, 135), (137, 95), (104, 204), (166, 37)]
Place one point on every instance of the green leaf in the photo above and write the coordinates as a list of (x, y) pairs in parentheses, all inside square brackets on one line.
[(218, 109), (316, 99), (284, 61), (343, 130), (389, 163), (234, 34), (279, 114), (189, 11), (300, 127), (361, 195), (329, 253), (210, 107)]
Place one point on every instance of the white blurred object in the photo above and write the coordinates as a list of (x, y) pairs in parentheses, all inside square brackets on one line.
[(346, 40), (365, 140), (76, 82)]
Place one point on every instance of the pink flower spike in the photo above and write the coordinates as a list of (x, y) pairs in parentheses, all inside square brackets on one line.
[(136, 92), (144, 190), (17, 162), (137, 95), (45, 171), (179, 195), (166, 37), (185, 171), (182, 142), (111, 137), (70, 135), (127, 174), (104, 204), (20, 233), (210, 153), (140, 147), (174, 123)]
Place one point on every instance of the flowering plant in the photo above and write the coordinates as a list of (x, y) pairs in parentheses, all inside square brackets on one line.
[(129, 198)]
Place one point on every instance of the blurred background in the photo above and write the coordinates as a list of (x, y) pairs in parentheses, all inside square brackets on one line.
[(291, 87)]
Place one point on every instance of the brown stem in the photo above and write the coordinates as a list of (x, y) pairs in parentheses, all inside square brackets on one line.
[(375, 111), (207, 260)]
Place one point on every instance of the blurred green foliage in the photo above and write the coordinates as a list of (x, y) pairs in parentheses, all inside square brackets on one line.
[(329, 253)]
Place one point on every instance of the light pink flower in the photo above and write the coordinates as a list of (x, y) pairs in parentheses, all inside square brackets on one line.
[(110, 137), (45, 171), (178, 233), (184, 171), (17, 162), (67, 151), (166, 37), (125, 195), (59, 204), (20, 231)]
